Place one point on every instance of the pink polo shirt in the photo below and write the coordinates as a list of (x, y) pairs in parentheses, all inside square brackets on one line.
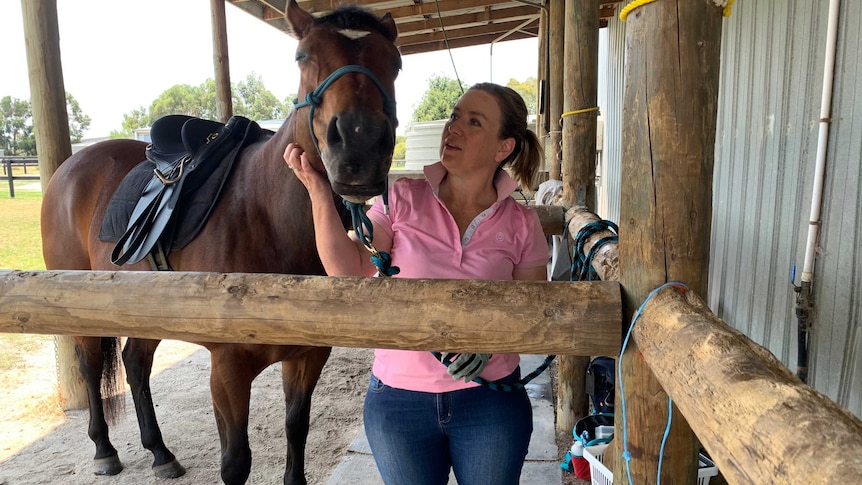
[(426, 243)]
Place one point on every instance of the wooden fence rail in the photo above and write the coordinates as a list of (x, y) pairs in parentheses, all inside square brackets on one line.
[(759, 422), (456, 315), (8, 163)]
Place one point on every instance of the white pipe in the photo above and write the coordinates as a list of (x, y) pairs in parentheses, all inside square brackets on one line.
[(822, 139)]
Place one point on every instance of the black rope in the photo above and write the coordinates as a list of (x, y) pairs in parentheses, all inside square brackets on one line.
[(582, 265)]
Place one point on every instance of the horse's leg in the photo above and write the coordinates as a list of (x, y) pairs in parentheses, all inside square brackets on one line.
[(233, 370), (138, 359), (299, 377), (106, 461)]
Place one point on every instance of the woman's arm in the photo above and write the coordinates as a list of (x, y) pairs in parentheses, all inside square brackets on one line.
[(341, 254)]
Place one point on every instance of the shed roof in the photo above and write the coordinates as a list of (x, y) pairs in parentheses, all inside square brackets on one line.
[(464, 22)]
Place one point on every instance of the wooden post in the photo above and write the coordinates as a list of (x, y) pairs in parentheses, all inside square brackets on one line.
[(758, 421), (556, 27), (51, 126), (671, 92), (221, 63), (453, 315), (580, 81), (542, 126), (580, 90)]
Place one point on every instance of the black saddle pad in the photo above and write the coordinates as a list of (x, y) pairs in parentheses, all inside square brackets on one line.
[(199, 193)]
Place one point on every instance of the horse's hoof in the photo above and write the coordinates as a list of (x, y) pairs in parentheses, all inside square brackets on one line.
[(169, 470), (107, 466)]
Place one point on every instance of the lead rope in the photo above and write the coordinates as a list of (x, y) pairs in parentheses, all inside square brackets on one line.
[(365, 233)]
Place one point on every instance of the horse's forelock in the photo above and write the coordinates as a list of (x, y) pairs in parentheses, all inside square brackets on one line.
[(351, 17)]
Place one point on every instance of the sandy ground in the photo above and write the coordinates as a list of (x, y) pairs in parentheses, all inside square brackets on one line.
[(40, 444)]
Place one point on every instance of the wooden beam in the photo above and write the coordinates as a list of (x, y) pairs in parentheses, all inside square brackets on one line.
[(454, 315), (580, 92), (498, 28), (580, 88), (668, 139), (606, 260), (758, 421), (432, 24), (556, 40), (51, 127), (221, 60), (465, 42)]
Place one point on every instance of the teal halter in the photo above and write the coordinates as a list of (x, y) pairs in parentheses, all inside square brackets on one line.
[(315, 98)]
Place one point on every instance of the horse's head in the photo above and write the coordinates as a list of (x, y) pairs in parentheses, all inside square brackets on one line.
[(346, 100)]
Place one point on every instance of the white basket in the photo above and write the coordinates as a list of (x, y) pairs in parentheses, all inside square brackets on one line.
[(600, 475)]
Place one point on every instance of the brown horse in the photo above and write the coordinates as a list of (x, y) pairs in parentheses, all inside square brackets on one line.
[(262, 224)]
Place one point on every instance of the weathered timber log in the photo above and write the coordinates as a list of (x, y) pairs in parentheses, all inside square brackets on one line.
[(758, 421), (456, 315), (51, 127), (552, 219), (221, 60), (673, 51), (606, 261)]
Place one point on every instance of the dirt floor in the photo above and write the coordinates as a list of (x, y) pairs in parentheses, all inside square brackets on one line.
[(40, 444)]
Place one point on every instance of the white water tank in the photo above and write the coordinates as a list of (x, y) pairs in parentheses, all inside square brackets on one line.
[(422, 144)]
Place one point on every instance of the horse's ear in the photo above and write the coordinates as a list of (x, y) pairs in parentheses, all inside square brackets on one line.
[(388, 23), (298, 20)]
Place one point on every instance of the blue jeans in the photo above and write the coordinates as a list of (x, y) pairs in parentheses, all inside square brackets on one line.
[(415, 437)]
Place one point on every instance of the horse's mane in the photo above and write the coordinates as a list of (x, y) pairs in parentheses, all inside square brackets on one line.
[(352, 17)]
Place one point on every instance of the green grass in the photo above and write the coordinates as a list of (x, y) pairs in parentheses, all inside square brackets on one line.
[(20, 236), (20, 248)]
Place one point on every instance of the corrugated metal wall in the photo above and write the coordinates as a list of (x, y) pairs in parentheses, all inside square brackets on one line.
[(766, 141), (612, 110)]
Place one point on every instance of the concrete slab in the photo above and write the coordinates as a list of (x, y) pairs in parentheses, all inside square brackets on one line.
[(541, 467)]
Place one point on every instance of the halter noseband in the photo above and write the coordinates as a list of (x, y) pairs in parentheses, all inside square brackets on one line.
[(315, 98)]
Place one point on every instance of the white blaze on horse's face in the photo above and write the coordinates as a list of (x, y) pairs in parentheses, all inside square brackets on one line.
[(353, 34)]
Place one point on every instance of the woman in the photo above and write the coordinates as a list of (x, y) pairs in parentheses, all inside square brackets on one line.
[(421, 416)]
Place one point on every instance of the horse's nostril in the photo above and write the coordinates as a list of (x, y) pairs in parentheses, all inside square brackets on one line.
[(333, 134)]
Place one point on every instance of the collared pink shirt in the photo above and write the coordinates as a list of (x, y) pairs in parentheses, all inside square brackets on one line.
[(426, 243)]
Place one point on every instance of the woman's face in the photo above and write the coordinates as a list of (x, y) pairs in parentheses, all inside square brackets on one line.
[(471, 136)]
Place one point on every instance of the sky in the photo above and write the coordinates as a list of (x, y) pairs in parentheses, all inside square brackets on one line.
[(120, 55)]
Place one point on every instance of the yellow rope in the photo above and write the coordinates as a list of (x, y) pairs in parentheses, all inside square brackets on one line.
[(624, 13), (579, 111), (726, 10)]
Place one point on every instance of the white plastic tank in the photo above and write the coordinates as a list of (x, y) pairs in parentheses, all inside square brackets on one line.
[(422, 144)]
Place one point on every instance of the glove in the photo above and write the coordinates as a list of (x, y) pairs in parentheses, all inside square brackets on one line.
[(464, 366)]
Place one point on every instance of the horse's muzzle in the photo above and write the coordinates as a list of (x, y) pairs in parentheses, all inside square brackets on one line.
[(358, 154)]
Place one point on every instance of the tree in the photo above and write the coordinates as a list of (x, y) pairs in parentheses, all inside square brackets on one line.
[(400, 148), (437, 102), (529, 91), (78, 121), (16, 125), (250, 98)]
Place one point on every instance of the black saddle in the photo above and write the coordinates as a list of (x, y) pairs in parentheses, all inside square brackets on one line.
[(168, 197)]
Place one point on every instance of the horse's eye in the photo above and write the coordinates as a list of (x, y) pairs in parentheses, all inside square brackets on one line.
[(301, 56)]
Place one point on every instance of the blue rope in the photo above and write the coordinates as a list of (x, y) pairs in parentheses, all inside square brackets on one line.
[(502, 386), (365, 233), (582, 265), (315, 98), (626, 455)]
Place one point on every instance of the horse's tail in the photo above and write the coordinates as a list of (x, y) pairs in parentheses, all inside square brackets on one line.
[(113, 399)]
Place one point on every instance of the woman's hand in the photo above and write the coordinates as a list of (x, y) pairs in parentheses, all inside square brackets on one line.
[(313, 179)]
